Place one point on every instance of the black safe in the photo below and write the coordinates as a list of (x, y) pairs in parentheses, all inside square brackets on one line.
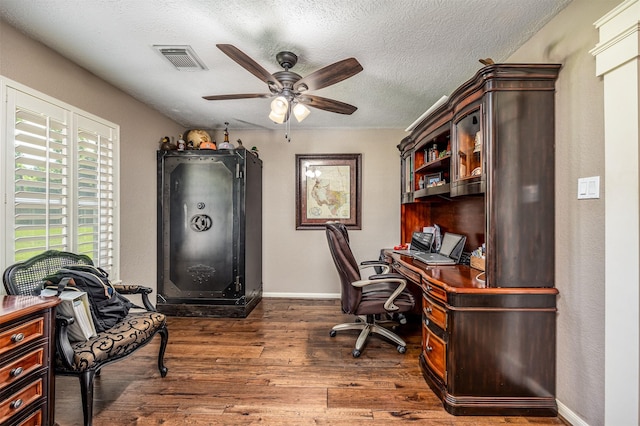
[(209, 232)]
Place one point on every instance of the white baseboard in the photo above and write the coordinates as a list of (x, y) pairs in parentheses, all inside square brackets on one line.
[(569, 416), (302, 295)]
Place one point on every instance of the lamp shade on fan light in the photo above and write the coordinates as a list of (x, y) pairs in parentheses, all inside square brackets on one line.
[(279, 108), (301, 112)]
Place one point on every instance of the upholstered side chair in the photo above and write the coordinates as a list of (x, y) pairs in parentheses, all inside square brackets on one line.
[(85, 359)]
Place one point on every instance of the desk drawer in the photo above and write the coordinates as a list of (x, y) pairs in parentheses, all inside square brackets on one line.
[(34, 419), (435, 353), (20, 400), (18, 368), (21, 334), (406, 272), (434, 312), (434, 291)]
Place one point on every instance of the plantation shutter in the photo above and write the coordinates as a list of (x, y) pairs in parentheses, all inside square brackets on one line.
[(41, 175), (61, 182), (96, 196)]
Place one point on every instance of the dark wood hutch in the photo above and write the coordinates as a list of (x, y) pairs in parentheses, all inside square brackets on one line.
[(482, 164)]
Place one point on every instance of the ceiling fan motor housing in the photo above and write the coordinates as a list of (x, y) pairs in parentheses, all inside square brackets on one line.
[(287, 59)]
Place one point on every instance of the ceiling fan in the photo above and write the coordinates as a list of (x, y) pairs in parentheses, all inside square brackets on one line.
[(289, 88)]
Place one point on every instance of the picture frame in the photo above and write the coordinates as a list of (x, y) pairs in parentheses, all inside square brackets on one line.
[(328, 188), (432, 179)]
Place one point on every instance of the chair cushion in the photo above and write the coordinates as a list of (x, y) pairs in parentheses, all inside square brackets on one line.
[(372, 301), (119, 341)]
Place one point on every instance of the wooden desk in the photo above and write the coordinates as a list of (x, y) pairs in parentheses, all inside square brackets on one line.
[(485, 351), (26, 353)]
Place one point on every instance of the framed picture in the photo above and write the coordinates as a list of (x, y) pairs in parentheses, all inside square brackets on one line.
[(328, 189), (433, 179)]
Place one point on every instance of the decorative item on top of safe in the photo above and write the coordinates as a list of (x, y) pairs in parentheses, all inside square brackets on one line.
[(226, 144), (195, 137), (182, 145), (165, 144), (208, 145)]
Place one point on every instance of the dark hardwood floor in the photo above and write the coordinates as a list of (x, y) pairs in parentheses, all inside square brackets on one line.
[(278, 366)]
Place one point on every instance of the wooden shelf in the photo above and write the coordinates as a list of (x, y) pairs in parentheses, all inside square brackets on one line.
[(434, 165), (432, 190)]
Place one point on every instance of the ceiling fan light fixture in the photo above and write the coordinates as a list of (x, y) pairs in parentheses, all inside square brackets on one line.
[(279, 105), (301, 112), (277, 118)]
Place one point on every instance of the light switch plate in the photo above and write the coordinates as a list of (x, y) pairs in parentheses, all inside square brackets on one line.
[(589, 187)]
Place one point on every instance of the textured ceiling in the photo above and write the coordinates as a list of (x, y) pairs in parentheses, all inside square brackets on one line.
[(412, 51)]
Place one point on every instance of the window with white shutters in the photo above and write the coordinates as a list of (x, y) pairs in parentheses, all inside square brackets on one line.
[(60, 179)]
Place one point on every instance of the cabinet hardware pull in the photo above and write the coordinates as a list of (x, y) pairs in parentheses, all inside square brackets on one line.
[(16, 338), (429, 310), (16, 404), (428, 287), (16, 372), (429, 349)]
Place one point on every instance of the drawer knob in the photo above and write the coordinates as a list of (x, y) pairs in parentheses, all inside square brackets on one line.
[(16, 404), (429, 288), (429, 310), (429, 349), (16, 338), (16, 372)]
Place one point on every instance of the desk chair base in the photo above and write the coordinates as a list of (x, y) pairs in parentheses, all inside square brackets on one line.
[(368, 325)]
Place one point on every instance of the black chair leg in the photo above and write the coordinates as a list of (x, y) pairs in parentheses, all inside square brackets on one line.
[(164, 339), (86, 389)]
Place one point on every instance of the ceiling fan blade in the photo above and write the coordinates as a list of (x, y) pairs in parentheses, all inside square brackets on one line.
[(249, 64), (327, 104), (241, 96), (331, 74)]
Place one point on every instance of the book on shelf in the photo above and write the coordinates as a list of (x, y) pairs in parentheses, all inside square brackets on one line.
[(75, 304)]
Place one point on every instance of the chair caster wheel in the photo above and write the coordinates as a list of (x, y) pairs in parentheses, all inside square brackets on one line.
[(332, 333), (355, 353), (402, 349)]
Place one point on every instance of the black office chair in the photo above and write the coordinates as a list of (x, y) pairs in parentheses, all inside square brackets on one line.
[(373, 300)]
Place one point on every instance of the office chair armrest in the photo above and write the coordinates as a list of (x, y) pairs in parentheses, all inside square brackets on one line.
[(385, 267), (387, 278)]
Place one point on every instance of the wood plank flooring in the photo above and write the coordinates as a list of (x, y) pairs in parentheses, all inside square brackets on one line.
[(278, 366)]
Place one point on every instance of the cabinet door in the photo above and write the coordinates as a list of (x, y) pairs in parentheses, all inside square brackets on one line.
[(407, 189), (468, 162), (199, 238)]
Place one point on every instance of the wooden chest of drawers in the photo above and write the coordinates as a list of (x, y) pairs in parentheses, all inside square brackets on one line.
[(26, 354)]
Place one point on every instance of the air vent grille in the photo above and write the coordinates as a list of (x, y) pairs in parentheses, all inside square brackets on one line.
[(183, 58)]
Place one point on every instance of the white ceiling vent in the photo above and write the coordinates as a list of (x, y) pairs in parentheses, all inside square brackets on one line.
[(181, 57)]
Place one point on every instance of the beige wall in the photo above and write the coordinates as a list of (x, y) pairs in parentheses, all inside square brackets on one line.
[(298, 262), (580, 267), (33, 64)]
